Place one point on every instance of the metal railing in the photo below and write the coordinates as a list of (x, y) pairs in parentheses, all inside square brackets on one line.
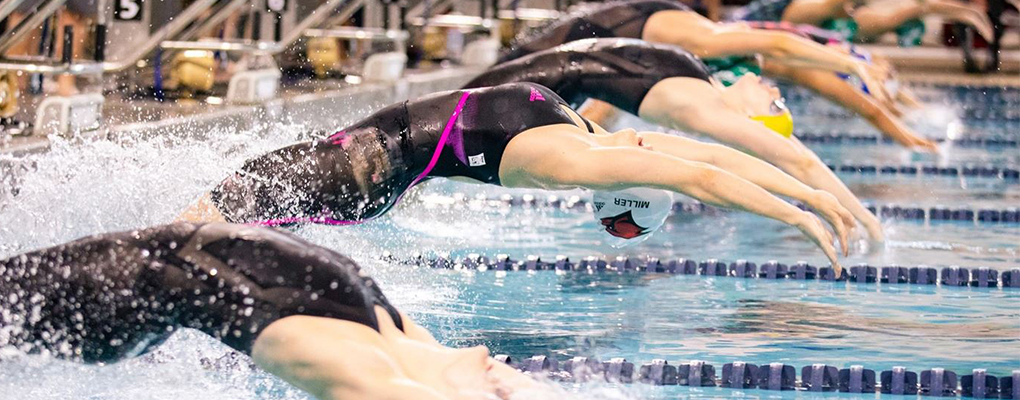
[(39, 14)]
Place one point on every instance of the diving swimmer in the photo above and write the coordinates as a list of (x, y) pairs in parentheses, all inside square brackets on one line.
[(518, 135), (304, 313), (670, 87), (669, 22), (729, 47), (865, 20)]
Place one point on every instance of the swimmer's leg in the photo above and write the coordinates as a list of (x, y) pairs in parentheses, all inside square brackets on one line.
[(837, 90), (884, 16)]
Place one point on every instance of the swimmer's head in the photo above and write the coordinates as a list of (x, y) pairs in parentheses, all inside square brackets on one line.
[(631, 215), (761, 102)]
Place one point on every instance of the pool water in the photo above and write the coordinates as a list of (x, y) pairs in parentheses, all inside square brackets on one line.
[(83, 188)]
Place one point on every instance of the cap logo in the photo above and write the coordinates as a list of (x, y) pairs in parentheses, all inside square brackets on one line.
[(623, 226)]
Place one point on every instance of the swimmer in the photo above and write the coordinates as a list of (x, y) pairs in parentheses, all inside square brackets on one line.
[(866, 20), (518, 135), (304, 313), (668, 22), (732, 48), (670, 87), (847, 91)]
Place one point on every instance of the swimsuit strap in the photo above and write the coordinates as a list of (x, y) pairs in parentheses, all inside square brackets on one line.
[(442, 140)]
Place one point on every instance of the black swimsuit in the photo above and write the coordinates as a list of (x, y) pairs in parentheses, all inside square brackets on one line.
[(617, 71), (103, 298), (618, 19), (360, 172)]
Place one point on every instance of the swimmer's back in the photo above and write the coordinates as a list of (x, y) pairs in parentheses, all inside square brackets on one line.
[(107, 297), (617, 71), (361, 171), (617, 19)]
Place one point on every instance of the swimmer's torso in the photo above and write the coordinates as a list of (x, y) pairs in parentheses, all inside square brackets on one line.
[(620, 19), (111, 296), (361, 171), (617, 71)]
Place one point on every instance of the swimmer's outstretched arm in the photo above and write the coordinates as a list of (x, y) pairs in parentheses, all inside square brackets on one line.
[(709, 40), (563, 156), (685, 104), (335, 360), (760, 173), (839, 91), (883, 16)]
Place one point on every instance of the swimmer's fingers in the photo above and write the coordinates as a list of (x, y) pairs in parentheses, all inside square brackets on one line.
[(813, 228), (874, 78), (874, 227), (906, 97), (983, 25), (829, 208), (925, 145)]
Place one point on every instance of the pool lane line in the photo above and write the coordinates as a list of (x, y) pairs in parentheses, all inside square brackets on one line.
[(982, 277), (847, 138), (1009, 174), (933, 214), (937, 382)]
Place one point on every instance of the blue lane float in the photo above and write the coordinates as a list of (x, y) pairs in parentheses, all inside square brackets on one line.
[(1008, 173), (871, 139), (934, 382), (980, 277), (931, 214)]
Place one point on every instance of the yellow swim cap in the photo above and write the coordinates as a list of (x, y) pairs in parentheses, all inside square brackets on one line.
[(781, 124), (779, 120)]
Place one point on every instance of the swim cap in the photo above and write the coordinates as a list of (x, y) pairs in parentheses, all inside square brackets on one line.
[(780, 121), (631, 215)]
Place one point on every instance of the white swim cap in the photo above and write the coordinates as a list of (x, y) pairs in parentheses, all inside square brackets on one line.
[(631, 215)]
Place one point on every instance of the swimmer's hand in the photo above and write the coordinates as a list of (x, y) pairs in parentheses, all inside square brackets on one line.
[(923, 145), (874, 228), (841, 220), (811, 226), (969, 14), (913, 141), (874, 76)]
